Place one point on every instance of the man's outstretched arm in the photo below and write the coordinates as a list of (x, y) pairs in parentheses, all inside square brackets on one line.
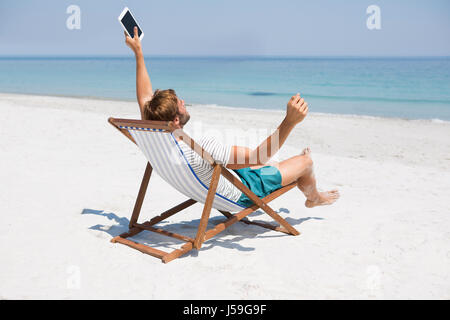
[(144, 91), (241, 157)]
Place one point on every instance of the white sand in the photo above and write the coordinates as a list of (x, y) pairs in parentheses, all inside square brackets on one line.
[(69, 182)]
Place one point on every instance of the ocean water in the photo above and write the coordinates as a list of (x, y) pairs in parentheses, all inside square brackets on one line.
[(412, 88)]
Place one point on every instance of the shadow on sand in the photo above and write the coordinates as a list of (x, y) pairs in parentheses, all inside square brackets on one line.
[(230, 238)]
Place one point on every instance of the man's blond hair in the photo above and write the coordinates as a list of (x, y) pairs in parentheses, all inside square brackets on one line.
[(162, 107)]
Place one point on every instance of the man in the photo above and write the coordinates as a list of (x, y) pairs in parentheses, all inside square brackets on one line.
[(249, 165)]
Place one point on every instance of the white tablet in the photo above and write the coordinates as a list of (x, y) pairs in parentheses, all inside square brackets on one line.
[(128, 23)]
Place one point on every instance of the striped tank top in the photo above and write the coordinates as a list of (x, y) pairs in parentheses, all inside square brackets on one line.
[(204, 170)]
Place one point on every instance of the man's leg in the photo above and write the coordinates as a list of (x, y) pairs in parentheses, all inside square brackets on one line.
[(300, 168)]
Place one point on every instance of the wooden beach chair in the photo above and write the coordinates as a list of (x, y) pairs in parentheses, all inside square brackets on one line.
[(156, 139)]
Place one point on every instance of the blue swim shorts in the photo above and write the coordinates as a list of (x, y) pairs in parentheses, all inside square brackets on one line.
[(262, 181)]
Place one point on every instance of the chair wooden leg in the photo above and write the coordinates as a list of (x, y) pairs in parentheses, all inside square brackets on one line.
[(207, 207), (141, 195), (256, 223), (280, 220), (185, 248)]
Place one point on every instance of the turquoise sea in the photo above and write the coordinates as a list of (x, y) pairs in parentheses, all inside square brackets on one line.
[(412, 88)]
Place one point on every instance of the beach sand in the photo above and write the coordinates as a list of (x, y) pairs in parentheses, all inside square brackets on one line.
[(69, 182)]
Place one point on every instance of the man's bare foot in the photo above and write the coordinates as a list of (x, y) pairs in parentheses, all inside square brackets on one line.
[(306, 151), (325, 198)]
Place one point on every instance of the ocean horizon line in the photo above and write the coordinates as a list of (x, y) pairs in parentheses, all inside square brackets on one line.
[(218, 106)]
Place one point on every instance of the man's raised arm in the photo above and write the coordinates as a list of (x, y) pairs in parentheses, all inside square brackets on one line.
[(144, 90)]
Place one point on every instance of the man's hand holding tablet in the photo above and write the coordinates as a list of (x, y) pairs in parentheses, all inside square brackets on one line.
[(134, 43)]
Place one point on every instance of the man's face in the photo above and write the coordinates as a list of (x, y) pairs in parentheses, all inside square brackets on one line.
[(183, 115)]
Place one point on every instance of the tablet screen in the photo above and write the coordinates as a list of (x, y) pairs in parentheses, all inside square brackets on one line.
[(129, 23)]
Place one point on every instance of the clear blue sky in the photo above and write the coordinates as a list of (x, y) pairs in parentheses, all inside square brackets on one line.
[(229, 27)]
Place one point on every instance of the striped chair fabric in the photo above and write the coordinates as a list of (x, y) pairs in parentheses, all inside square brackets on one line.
[(166, 157)]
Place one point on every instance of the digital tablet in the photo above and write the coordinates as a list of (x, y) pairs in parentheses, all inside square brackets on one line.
[(128, 23)]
